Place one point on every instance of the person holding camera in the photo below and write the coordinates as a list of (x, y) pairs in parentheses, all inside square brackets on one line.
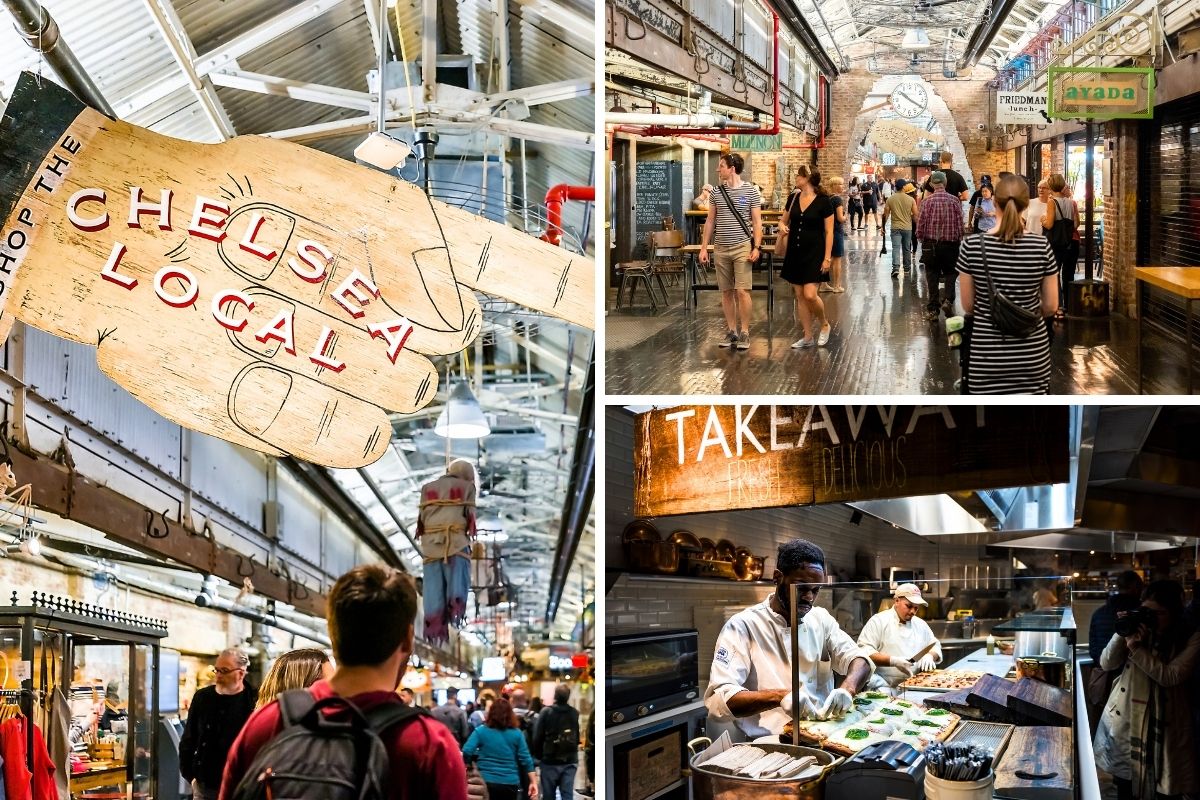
[(1145, 735)]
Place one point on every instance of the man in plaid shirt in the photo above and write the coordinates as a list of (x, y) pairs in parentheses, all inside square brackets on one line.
[(940, 231)]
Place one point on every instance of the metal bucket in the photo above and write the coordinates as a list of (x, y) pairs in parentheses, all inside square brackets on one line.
[(711, 785)]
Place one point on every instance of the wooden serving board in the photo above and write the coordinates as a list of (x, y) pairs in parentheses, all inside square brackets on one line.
[(955, 702), (990, 694), (1037, 765), (1041, 703)]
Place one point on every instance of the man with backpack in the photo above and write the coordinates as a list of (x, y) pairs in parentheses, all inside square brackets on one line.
[(350, 737), (556, 746)]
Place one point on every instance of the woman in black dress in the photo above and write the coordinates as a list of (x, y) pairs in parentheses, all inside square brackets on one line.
[(809, 228)]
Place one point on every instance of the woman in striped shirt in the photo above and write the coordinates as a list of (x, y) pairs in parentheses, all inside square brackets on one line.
[(1023, 269)]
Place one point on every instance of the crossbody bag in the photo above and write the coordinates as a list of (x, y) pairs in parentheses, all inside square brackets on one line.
[(1009, 317), (738, 217)]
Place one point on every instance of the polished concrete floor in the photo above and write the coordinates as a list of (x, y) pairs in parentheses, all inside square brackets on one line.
[(881, 345)]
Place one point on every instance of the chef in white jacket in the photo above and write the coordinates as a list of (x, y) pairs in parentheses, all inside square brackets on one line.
[(751, 676), (897, 634)]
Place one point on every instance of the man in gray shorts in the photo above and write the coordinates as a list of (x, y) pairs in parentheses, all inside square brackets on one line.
[(735, 246)]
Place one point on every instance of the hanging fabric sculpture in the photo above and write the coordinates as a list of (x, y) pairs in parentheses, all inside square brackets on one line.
[(445, 529)]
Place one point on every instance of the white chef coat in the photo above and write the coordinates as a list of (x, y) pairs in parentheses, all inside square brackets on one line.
[(885, 633), (753, 652)]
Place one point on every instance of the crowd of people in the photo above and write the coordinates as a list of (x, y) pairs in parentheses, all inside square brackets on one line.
[(314, 729), (1005, 258)]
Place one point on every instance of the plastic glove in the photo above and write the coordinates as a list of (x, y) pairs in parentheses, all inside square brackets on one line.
[(926, 664), (902, 664), (802, 701), (836, 705)]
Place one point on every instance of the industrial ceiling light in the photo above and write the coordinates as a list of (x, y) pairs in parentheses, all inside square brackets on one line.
[(380, 150), (462, 418), (915, 39)]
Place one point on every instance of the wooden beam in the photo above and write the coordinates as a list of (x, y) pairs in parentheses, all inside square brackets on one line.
[(297, 90), (73, 496)]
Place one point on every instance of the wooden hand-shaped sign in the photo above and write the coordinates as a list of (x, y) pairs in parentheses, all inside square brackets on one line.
[(268, 294)]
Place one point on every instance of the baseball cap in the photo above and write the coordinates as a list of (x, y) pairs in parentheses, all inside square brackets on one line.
[(900, 182), (986, 179), (910, 592), (910, 189), (938, 177)]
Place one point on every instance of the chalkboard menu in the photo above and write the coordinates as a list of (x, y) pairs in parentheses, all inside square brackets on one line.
[(659, 194)]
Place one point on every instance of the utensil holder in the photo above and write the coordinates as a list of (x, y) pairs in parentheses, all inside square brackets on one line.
[(941, 789)]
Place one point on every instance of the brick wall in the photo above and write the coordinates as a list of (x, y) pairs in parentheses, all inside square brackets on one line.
[(1120, 216), (639, 603)]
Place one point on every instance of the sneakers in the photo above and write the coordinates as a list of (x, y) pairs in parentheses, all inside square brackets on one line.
[(801, 344), (895, 272), (948, 308), (837, 289), (729, 341), (823, 336), (743, 340), (931, 314), (825, 287)]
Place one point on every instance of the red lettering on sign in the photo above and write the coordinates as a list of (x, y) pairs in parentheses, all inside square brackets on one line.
[(322, 353), (109, 273), (281, 330), (230, 298), (176, 301), (315, 256), (161, 209), (395, 333), (248, 244), (350, 289), (87, 224), (202, 220)]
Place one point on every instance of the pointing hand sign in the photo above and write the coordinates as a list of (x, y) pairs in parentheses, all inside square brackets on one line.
[(271, 295)]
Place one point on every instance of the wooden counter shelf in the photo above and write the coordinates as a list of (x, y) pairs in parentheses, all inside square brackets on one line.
[(96, 778), (1184, 283)]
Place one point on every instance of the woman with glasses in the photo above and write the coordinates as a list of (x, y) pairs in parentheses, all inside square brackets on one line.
[(1145, 735), (751, 676)]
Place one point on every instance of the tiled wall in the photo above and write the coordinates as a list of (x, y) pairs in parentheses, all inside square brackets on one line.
[(638, 603)]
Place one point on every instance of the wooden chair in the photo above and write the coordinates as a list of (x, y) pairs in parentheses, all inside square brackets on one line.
[(665, 257), (632, 272)]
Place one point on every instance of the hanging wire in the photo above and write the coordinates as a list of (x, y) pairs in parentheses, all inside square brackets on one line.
[(412, 103)]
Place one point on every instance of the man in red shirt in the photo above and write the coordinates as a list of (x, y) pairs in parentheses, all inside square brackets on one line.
[(371, 611), (940, 230)]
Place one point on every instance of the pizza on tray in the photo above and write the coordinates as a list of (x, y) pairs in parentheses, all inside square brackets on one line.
[(942, 680), (881, 720)]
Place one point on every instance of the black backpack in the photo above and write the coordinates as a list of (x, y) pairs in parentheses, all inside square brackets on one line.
[(1063, 232), (560, 735), (314, 756)]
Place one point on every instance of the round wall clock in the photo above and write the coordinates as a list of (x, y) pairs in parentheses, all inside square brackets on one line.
[(909, 99)]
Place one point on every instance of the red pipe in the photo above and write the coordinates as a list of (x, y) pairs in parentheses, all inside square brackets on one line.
[(771, 131), (822, 81), (554, 199)]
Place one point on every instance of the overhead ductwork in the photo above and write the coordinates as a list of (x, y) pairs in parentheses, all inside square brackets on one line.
[(40, 32)]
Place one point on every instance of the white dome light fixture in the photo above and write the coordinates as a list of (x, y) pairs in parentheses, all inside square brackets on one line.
[(462, 418), (915, 39)]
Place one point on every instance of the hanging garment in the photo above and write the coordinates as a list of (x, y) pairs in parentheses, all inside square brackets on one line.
[(445, 528), (446, 587), (60, 743), (19, 782)]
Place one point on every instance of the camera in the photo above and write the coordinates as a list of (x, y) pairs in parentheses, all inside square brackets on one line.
[(1128, 624)]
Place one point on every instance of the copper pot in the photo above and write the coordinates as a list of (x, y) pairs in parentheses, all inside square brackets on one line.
[(749, 567), (660, 558), (709, 548), (709, 784), (640, 530), (726, 551)]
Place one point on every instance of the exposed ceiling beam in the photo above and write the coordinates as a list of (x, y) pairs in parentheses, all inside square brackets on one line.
[(543, 93), (297, 90), (371, 7), (225, 55), (170, 27)]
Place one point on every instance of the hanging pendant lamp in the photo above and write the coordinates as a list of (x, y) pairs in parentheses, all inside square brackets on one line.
[(462, 418), (915, 39)]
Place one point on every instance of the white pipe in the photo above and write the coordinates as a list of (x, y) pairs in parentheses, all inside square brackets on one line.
[(679, 120), (185, 596)]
